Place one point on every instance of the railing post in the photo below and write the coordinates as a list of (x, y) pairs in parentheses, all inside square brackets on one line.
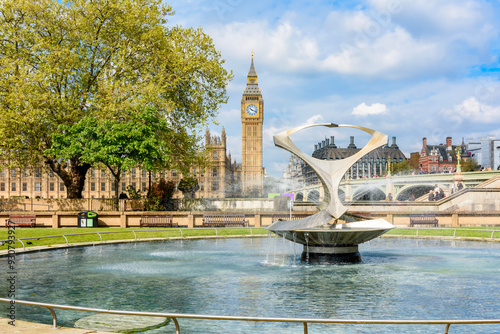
[(305, 328), (177, 328), (54, 318), (446, 329), (67, 242)]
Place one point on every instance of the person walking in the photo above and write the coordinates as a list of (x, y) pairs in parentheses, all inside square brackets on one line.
[(431, 195)]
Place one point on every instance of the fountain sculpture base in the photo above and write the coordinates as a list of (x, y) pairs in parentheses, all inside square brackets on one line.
[(331, 255)]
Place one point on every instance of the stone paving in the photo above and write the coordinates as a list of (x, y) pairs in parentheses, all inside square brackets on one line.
[(24, 327)]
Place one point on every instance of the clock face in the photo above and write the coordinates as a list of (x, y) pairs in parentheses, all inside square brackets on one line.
[(252, 109)]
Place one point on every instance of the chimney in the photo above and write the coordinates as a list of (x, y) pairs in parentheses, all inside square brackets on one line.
[(424, 142), (351, 145), (394, 145), (448, 143), (327, 142), (332, 139), (315, 147)]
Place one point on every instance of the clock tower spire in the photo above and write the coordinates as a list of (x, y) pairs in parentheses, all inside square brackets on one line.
[(252, 118)]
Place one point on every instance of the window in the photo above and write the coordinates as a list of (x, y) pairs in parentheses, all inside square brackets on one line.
[(124, 187), (92, 173), (194, 171), (25, 172), (61, 186), (202, 186), (215, 186), (25, 186), (38, 172), (13, 173), (215, 172), (214, 155), (103, 186), (2, 173), (154, 174), (133, 172), (113, 188), (13, 187), (38, 186), (92, 186), (144, 173), (51, 173), (51, 186), (134, 185), (202, 172), (174, 172), (103, 173), (143, 186), (2, 186)]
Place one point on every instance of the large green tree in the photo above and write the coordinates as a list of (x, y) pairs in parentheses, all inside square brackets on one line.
[(63, 60), (140, 138)]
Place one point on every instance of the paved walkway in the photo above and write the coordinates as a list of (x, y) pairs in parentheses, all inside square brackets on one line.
[(24, 327)]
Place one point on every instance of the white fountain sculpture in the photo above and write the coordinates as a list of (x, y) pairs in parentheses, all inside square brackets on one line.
[(323, 237)]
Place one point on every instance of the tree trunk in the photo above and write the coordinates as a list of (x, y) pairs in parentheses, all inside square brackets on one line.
[(73, 175), (117, 184)]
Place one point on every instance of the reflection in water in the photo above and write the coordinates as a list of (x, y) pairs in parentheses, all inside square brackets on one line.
[(398, 279)]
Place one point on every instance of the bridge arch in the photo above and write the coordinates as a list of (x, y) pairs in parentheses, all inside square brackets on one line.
[(313, 196), (413, 192), (368, 194)]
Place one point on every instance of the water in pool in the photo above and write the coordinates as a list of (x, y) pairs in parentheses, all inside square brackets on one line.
[(398, 279)]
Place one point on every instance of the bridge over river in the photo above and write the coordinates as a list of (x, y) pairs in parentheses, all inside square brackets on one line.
[(402, 188)]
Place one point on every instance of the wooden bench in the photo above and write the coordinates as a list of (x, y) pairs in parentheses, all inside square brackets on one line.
[(157, 221), (423, 219), (223, 220), (20, 220)]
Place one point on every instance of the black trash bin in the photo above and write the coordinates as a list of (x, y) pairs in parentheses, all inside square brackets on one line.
[(87, 219)]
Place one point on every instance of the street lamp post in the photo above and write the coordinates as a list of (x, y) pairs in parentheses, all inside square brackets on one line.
[(458, 152)]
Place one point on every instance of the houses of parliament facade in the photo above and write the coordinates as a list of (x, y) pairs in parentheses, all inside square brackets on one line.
[(222, 179)]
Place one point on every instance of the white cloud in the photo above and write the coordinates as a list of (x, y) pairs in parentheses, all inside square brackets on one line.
[(374, 109), (474, 111)]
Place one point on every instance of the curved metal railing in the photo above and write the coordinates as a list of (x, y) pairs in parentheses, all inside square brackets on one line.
[(21, 240), (304, 321), (108, 232)]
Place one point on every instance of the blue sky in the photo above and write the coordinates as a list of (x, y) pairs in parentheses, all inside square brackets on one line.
[(410, 69)]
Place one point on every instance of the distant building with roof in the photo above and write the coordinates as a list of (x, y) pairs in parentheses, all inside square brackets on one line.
[(373, 164), (485, 151), (440, 158)]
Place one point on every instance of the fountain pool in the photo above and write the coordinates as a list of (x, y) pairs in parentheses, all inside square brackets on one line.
[(398, 279)]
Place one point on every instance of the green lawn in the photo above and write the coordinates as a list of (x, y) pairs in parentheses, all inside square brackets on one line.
[(463, 232), (142, 233)]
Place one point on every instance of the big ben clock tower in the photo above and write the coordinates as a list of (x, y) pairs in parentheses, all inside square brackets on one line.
[(252, 118)]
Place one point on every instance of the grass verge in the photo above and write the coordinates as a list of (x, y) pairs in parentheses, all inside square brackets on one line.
[(462, 232), (125, 234)]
